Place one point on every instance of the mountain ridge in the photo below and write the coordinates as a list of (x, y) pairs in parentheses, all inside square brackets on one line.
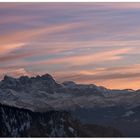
[(43, 93), (46, 75)]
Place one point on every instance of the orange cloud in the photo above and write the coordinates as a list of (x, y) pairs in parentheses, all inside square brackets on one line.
[(10, 47)]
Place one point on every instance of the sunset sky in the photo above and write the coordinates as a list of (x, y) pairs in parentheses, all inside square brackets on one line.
[(96, 43)]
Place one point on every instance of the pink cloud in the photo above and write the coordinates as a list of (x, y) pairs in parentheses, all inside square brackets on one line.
[(89, 58)]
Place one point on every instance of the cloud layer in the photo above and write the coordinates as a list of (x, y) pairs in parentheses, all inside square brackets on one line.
[(86, 42)]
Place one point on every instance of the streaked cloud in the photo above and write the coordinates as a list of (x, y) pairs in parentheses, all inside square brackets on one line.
[(91, 57), (29, 34)]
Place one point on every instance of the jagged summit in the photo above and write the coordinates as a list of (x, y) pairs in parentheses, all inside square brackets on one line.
[(44, 76)]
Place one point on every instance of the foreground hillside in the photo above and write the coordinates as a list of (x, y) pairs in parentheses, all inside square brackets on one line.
[(16, 122)]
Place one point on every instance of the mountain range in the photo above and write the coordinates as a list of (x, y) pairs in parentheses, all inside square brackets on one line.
[(29, 104)]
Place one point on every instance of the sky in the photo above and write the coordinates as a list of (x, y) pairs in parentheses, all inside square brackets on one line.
[(89, 43)]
